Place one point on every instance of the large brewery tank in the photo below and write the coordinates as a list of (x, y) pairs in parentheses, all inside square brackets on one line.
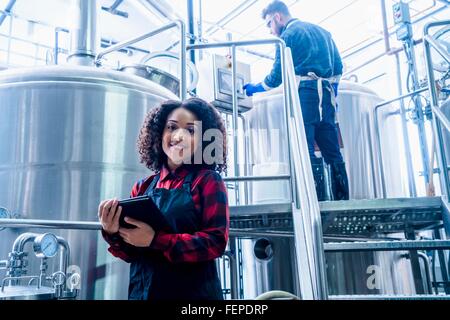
[(67, 141), (347, 272)]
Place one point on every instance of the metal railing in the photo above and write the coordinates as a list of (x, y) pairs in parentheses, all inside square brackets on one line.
[(183, 61), (411, 182), (440, 121), (310, 259)]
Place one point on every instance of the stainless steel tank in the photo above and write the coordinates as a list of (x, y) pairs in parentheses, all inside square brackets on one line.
[(347, 272), (68, 140)]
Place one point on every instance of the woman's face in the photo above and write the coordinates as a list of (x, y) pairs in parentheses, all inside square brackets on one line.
[(181, 137)]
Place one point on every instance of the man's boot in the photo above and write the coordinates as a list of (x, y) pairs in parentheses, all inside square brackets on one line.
[(319, 178), (339, 181)]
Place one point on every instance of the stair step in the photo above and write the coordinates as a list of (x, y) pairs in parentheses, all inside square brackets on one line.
[(387, 245), (354, 218)]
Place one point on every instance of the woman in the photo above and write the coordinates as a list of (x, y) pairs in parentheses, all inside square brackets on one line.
[(189, 191)]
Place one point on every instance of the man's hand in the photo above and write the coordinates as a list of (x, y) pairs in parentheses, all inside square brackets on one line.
[(335, 86), (141, 236), (251, 88)]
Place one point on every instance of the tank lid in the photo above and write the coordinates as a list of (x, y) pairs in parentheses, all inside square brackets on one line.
[(86, 75), (27, 292), (345, 85)]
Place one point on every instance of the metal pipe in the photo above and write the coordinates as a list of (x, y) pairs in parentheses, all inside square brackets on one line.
[(56, 49), (235, 110), (306, 212), (22, 240), (7, 10), (377, 134), (407, 95), (64, 259), (426, 265), (288, 112), (419, 112), (234, 277), (8, 57), (115, 5), (442, 262), (387, 45), (379, 153), (235, 119), (50, 224), (113, 9), (436, 46), (191, 29), (200, 27), (126, 43), (409, 164), (445, 2), (235, 43), (441, 156), (84, 35), (442, 117), (247, 166), (183, 61)]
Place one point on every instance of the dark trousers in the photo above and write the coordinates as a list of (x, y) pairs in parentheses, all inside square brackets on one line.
[(323, 131)]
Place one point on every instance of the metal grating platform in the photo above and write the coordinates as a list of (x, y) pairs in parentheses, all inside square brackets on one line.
[(354, 218)]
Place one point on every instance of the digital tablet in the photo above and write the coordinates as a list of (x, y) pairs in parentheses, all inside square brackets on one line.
[(143, 209)]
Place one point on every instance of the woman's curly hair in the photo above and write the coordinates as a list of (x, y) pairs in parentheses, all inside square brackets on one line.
[(150, 138)]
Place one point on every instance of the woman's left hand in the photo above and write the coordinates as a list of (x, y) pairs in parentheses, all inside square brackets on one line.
[(141, 236)]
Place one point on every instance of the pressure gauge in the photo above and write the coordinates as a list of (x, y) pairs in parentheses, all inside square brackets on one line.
[(46, 245), (4, 213)]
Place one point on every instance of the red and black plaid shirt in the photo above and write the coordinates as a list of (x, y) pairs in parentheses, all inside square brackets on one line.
[(210, 198)]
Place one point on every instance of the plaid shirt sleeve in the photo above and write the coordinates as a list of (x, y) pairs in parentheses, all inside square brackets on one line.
[(208, 243), (118, 248)]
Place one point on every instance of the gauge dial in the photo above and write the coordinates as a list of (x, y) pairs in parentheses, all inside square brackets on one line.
[(46, 245)]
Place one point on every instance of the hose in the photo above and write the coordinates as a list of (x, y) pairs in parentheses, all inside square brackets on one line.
[(277, 295)]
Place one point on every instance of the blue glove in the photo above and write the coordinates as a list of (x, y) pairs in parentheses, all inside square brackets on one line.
[(335, 86), (251, 88)]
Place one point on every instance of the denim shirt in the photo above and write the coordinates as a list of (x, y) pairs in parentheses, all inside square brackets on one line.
[(313, 50)]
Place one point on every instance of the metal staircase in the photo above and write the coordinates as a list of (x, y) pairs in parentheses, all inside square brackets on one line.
[(345, 226)]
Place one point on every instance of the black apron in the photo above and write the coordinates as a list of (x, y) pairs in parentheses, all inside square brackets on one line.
[(152, 276)]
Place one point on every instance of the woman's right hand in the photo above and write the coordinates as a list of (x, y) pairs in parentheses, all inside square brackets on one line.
[(109, 214)]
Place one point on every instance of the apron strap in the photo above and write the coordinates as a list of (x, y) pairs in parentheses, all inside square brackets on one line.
[(188, 180), (153, 183), (313, 76)]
